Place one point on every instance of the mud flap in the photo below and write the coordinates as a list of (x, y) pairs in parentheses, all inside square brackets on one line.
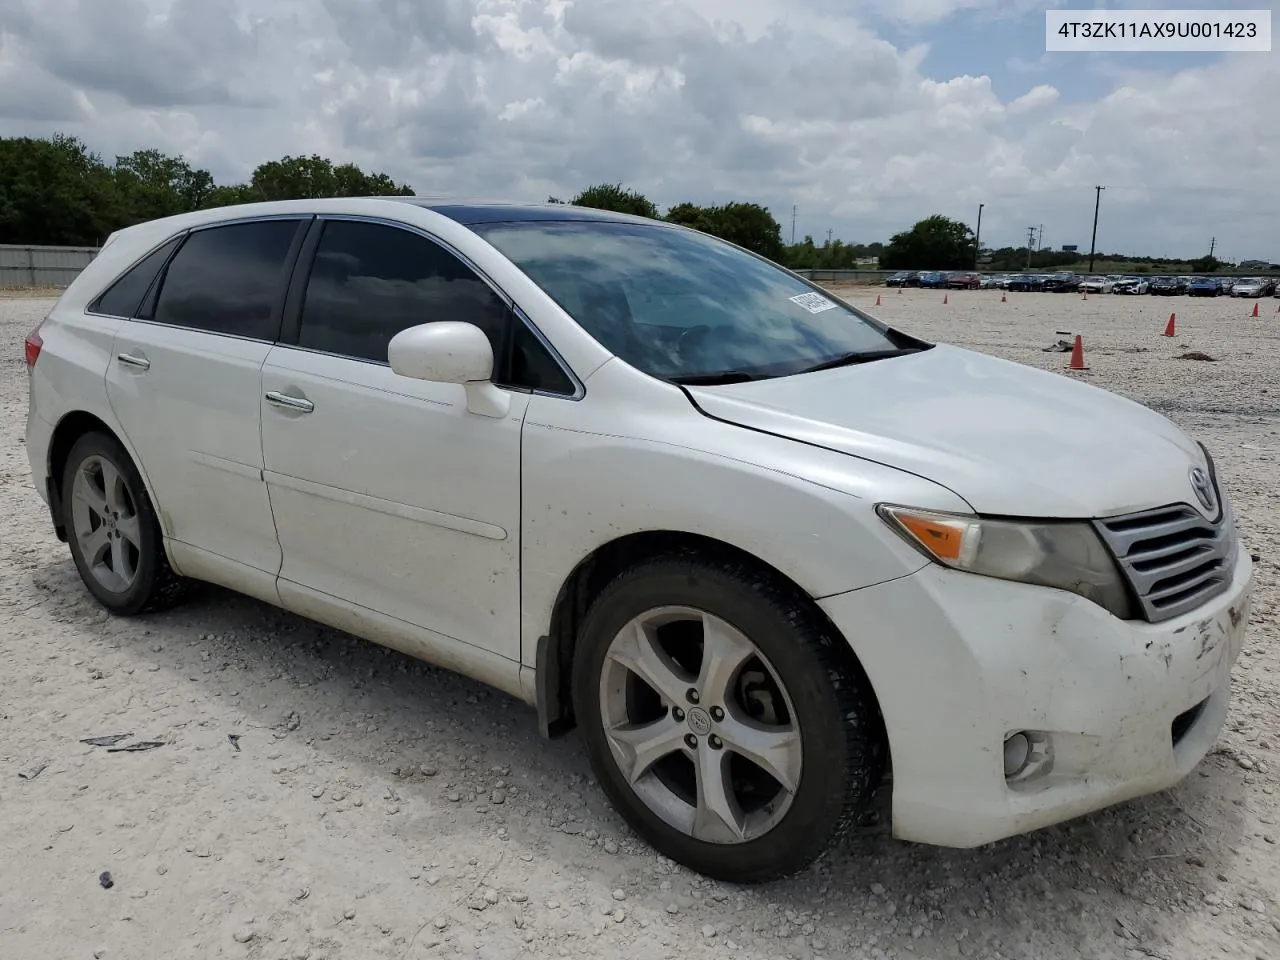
[(55, 508)]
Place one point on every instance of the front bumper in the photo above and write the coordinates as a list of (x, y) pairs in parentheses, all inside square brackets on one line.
[(960, 662)]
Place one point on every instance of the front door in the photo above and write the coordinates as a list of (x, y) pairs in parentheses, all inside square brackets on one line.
[(387, 492)]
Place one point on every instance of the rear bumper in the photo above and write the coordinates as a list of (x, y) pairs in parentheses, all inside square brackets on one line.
[(961, 662), (38, 437)]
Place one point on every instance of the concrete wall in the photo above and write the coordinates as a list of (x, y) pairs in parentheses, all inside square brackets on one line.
[(35, 266)]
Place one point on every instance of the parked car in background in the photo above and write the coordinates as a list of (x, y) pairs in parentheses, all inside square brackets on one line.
[(1098, 284), (1249, 287), (904, 278), (933, 280), (963, 281), (1204, 287), (1167, 287), (1132, 286), (1227, 284), (1026, 282), (1063, 281), (499, 437), (990, 281)]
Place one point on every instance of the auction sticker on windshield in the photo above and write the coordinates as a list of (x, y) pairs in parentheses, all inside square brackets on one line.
[(813, 302)]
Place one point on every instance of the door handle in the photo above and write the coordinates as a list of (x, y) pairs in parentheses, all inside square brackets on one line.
[(301, 404), (129, 360)]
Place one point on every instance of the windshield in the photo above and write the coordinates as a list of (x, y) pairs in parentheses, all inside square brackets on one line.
[(680, 305)]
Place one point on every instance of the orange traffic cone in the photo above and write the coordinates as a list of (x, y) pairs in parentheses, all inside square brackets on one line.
[(944, 302), (1077, 354), (1168, 327), (1255, 309), (1003, 298), (877, 299)]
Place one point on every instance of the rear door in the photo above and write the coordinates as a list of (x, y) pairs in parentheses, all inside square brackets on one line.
[(185, 385)]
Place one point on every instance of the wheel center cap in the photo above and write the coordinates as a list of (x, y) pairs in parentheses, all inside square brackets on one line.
[(699, 721), (109, 522)]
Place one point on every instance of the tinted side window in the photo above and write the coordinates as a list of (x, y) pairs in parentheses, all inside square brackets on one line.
[(229, 279), (369, 281), (533, 367), (123, 297)]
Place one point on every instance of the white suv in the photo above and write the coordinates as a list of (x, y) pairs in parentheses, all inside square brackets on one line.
[(758, 546)]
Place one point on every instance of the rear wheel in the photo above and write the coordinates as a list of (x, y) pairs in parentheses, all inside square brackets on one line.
[(112, 529), (723, 719)]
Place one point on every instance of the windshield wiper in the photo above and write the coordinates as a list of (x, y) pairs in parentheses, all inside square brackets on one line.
[(715, 379), (861, 356)]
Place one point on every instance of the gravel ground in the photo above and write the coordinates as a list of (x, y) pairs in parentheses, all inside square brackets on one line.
[(373, 807)]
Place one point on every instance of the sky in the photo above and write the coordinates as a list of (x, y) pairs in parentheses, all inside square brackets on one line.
[(863, 115)]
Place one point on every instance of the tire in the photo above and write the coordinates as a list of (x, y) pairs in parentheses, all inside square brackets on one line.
[(112, 529), (816, 720)]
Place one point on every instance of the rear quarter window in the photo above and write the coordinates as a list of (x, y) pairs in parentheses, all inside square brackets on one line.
[(124, 297)]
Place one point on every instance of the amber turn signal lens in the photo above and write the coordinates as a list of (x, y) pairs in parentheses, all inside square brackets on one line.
[(943, 540)]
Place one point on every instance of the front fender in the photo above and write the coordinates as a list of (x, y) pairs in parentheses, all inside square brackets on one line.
[(594, 471)]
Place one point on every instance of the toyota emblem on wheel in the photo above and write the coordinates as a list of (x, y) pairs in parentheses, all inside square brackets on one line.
[(1202, 487)]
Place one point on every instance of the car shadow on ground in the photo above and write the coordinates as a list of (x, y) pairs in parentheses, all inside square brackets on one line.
[(1132, 867)]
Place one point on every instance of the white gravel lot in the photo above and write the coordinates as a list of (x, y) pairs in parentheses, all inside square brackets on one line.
[(378, 808)]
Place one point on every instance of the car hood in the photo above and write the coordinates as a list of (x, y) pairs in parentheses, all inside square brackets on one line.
[(1008, 438)]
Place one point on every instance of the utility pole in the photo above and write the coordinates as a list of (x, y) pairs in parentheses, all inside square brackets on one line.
[(1040, 241), (793, 224), (1213, 242), (977, 239), (1093, 244), (828, 236), (1031, 239)]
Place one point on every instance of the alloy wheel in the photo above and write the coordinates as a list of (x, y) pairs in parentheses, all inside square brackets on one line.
[(700, 725)]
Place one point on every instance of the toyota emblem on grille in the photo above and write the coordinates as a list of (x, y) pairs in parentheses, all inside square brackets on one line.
[(1202, 487)]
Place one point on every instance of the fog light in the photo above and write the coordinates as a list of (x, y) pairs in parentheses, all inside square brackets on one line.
[(1017, 751)]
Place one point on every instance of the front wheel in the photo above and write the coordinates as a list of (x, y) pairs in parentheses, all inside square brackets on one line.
[(723, 719)]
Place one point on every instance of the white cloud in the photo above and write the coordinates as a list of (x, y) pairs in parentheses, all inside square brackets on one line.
[(779, 101), (1037, 98)]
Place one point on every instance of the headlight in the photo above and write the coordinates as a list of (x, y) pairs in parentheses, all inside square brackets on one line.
[(1066, 555)]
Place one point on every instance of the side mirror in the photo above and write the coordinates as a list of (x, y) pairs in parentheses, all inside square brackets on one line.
[(449, 351)]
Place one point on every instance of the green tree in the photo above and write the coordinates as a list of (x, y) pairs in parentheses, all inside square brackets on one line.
[(934, 243), (152, 184), (748, 225), (1205, 265), (226, 196), (313, 177), (616, 197), (54, 191)]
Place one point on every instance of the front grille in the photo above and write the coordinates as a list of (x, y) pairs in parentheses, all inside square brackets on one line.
[(1173, 557)]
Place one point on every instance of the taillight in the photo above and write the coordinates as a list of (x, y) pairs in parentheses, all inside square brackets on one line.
[(33, 344)]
